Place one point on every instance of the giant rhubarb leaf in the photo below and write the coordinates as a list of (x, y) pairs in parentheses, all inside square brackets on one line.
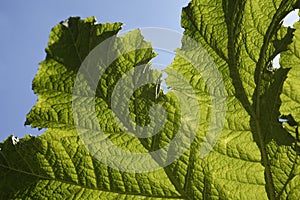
[(252, 152)]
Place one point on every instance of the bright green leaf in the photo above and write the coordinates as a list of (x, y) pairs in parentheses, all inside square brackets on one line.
[(255, 155)]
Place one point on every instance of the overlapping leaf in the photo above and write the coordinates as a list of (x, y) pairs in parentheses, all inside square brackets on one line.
[(57, 164), (255, 157), (243, 39)]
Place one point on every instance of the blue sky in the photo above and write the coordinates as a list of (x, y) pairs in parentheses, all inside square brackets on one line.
[(25, 27)]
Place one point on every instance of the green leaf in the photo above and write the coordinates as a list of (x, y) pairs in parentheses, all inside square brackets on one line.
[(243, 41), (57, 165), (224, 100)]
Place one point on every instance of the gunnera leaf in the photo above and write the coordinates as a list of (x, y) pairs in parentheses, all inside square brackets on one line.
[(242, 145)]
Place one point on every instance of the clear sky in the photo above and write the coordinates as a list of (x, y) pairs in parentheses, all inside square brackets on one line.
[(24, 32), (25, 27)]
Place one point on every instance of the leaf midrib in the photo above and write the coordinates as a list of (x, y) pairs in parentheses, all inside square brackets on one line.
[(232, 63), (268, 174), (40, 177)]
